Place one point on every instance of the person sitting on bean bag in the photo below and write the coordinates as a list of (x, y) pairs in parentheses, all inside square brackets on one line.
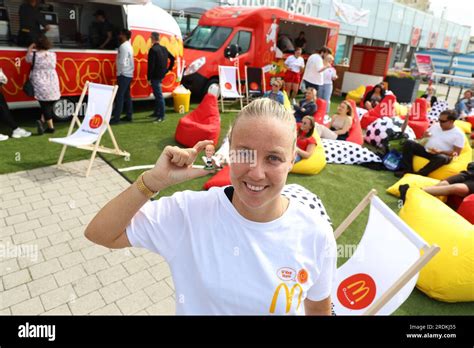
[(305, 142), (465, 106), (276, 94), (374, 97), (445, 141), (307, 106), (430, 95), (340, 125)]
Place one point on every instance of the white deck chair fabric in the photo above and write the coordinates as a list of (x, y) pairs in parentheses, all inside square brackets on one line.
[(228, 82), (388, 248), (95, 120)]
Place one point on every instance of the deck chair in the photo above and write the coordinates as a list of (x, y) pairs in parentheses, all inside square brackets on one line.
[(383, 270), (229, 85), (254, 83), (95, 123)]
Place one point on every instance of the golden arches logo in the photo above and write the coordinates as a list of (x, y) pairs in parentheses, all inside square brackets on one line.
[(289, 294), (357, 291)]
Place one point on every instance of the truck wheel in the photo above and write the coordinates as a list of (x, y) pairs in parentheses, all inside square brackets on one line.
[(212, 87)]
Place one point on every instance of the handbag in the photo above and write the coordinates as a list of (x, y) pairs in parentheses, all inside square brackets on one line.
[(28, 87)]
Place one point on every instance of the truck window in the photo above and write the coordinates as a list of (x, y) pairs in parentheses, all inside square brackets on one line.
[(242, 38), (209, 38)]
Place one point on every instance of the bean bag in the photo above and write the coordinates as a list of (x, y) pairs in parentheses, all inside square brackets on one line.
[(418, 120), (448, 276), (414, 180), (286, 101), (367, 90), (315, 163), (470, 119), (356, 94), (466, 208), (203, 123), (307, 198), (464, 126), (345, 152), (385, 127), (222, 178), (321, 105), (385, 108), (436, 109), (355, 133), (457, 165)]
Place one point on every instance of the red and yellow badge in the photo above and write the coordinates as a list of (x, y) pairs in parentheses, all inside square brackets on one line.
[(357, 291), (302, 276), (96, 121)]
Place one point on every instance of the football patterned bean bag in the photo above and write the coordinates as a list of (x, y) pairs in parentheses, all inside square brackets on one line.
[(346, 152), (385, 127)]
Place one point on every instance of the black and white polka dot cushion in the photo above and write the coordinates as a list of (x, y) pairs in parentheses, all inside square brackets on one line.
[(385, 127), (346, 152), (437, 108), (307, 198), (361, 112)]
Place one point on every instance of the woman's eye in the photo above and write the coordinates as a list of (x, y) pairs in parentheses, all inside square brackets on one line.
[(274, 158)]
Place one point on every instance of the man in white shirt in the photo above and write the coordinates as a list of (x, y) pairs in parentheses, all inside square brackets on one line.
[(313, 74), (445, 142), (125, 68)]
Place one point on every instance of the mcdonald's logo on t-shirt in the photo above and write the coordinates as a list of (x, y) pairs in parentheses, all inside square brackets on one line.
[(289, 294)]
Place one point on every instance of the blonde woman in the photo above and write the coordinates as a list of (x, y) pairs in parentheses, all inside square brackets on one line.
[(329, 75), (233, 265)]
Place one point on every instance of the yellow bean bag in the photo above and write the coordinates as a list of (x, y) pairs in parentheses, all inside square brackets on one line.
[(356, 94), (315, 163), (449, 275), (466, 127), (286, 101), (456, 166), (414, 180), (400, 110)]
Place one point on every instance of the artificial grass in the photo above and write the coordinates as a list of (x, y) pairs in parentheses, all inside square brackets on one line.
[(340, 187)]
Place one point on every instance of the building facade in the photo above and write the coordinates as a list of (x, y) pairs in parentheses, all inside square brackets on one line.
[(391, 24)]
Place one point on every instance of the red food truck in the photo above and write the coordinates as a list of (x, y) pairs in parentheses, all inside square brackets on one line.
[(264, 38), (69, 21)]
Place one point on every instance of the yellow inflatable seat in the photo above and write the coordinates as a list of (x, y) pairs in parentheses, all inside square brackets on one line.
[(457, 165), (449, 275), (356, 94), (286, 101), (315, 163), (400, 110), (414, 180), (466, 127)]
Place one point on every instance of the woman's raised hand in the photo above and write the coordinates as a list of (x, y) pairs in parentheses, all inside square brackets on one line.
[(174, 166)]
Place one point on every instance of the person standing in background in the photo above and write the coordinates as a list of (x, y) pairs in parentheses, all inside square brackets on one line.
[(101, 32), (31, 21), (45, 81), (329, 75), (157, 69), (313, 76), (294, 65), (125, 68), (300, 41)]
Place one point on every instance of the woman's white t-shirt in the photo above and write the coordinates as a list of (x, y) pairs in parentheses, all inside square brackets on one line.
[(222, 263), (328, 75), (294, 64)]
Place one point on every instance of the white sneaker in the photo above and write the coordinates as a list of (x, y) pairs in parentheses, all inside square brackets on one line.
[(3, 137), (20, 133)]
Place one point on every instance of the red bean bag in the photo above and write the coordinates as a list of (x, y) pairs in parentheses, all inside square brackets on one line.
[(355, 133), (222, 178), (463, 206), (203, 123), (466, 208), (321, 105), (385, 108), (367, 90), (418, 120), (470, 119)]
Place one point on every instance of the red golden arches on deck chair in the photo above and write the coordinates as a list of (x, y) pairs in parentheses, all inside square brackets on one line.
[(203, 123)]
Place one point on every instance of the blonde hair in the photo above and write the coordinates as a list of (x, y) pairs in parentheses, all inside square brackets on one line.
[(265, 107), (329, 57)]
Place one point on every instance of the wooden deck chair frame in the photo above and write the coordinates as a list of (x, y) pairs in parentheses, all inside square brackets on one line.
[(232, 101), (428, 253), (263, 82), (96, 147)]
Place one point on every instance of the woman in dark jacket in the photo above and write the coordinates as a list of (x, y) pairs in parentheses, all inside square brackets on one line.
[(374, 97), (307, 106)]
